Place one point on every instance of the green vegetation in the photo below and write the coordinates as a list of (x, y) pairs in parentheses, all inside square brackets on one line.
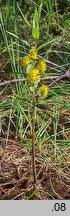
[(46, 26)]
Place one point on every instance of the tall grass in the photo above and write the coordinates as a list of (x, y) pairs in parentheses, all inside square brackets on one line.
[(16, 33)]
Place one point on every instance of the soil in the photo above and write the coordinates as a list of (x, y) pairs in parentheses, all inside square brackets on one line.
[(16, 177)]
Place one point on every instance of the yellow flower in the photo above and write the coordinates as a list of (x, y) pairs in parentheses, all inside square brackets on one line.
[(25, 61), (33, 75), (33, 53), (41, 65), (43, 90)]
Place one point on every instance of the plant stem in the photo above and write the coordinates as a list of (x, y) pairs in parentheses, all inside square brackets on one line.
[(57, 17), (33, 140)]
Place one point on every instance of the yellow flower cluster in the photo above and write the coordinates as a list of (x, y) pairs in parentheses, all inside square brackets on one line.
[(33, 76), (43, 90), (33, 53), (41, 65), (25, 61)]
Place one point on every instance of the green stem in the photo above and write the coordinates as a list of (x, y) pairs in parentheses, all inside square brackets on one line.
[(33, 141), (57, 18)]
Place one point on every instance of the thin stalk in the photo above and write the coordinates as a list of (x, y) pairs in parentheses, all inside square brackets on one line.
[(57, 17), (33, 140)]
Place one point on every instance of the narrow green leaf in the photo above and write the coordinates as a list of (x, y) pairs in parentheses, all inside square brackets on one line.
[(26, 21), (35, 33), (39, 10), (36, 16)]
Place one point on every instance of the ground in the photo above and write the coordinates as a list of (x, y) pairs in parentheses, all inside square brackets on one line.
[(16, 177)]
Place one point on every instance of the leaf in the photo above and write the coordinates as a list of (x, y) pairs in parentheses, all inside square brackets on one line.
[(29, 67), (23, 41), (12, 34), (36, 16), (39, 10), (35, 33), (26, 21), (35, 19)]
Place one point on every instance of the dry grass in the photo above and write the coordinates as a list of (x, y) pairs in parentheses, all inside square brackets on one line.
[(16, 178)]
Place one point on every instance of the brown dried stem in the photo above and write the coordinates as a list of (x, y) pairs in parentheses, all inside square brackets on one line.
[(66, 75)]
